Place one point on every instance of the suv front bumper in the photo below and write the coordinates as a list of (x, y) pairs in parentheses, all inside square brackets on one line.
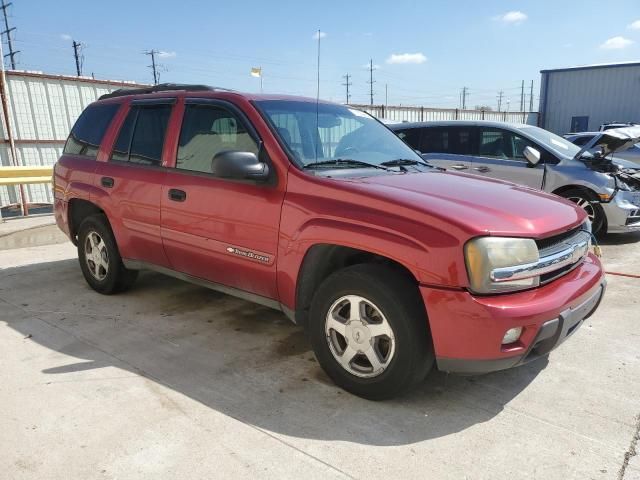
[(467, 330)]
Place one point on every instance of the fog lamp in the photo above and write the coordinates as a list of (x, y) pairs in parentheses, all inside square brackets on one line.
[(512, 335)]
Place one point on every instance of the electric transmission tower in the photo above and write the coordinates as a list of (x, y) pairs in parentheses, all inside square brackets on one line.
[(371, 80), (347, 84), (155, 68), (77, 53), (7, 31)]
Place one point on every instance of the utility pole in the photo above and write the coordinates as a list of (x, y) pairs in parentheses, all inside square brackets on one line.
[(371, 81), (463, 98), (153, 65), (386, 95), (347, 84), (522, 97), (7, 31), (500, 95), (531, 98), (77, 46)]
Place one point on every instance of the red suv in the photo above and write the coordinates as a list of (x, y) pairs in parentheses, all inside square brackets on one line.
[(318, 210)]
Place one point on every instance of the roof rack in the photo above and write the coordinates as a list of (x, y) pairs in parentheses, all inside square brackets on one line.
[(162, 87)]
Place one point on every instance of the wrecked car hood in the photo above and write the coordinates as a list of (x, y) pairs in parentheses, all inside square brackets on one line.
[(610, 141)]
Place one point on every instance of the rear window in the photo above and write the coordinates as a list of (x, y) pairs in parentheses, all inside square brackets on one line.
[(87, 133), (141, 136)]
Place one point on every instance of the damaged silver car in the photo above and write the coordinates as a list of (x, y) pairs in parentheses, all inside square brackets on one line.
[(607, 188)]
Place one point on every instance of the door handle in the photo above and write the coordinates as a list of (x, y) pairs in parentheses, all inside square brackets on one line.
[(177, 195), (482, 169), (459, 167), (107, 182)]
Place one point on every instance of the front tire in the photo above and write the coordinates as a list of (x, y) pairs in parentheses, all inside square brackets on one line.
[(99, 258), (592, 208), (368, 329)]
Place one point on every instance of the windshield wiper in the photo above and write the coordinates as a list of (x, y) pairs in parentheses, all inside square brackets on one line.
[(400, 162), (344, 162)]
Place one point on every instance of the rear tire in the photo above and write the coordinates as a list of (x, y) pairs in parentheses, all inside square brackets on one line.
[(380, 348), (99, 258), (591, 207)]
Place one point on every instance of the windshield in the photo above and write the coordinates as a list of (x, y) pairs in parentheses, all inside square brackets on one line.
[(340, 133), (553, 142)]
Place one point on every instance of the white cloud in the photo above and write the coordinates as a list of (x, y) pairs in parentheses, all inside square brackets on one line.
[(635, 25), (163, 54), (616, 43), (406, 58), (318, 35), (514, 17), (65, 36)]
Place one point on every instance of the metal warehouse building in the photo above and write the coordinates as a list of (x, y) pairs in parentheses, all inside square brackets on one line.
[(42, 110), (580, 99)]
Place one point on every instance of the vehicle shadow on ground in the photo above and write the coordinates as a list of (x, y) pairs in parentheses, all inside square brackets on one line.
[(619, 238), (243, 360)]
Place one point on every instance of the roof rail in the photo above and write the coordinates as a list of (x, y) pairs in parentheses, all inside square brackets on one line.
[(162, 87)]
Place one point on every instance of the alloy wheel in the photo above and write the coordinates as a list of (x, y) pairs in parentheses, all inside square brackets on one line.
[(586, 205), (359, 336), (96, 255)]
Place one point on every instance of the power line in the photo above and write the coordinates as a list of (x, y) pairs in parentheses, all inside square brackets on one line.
[(77, 49), (7, 31), (347, 84), (370, 81)]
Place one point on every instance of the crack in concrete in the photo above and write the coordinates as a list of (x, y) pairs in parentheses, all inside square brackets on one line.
[(631, 451)]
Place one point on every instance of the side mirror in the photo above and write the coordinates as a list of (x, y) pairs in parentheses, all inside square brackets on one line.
[(239, 166), (532, 155)]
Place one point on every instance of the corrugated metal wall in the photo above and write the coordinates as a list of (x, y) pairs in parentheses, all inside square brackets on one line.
[(424, 114), (604, 94), (42, 109)]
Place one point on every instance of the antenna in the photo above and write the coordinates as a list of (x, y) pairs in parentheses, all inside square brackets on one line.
[(318, 98)]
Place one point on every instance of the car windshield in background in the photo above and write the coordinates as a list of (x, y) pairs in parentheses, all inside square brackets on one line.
[(552, 141), (334, 133)]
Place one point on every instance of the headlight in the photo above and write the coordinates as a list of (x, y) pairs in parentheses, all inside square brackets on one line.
[(484, 254)]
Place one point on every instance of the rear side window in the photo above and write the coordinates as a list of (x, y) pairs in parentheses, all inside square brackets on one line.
[(142, 134), (89, 129), (435, 140)]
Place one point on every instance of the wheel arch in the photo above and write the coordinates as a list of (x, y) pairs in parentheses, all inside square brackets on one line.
[(323, 259), (586, 190), (78, 210)]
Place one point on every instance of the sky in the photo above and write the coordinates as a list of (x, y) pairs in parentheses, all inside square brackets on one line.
[(423, 52)]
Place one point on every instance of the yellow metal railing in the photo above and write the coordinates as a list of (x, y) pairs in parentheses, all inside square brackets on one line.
[(25, 175)]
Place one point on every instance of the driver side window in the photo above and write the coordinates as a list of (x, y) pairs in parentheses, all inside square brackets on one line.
[(502, 144), (206, 131)]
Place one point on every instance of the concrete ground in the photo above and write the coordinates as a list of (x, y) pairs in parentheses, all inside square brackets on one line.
[(171, 380)]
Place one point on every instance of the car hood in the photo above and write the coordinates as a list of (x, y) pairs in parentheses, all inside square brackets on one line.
[(610, 141), (478, 206)]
